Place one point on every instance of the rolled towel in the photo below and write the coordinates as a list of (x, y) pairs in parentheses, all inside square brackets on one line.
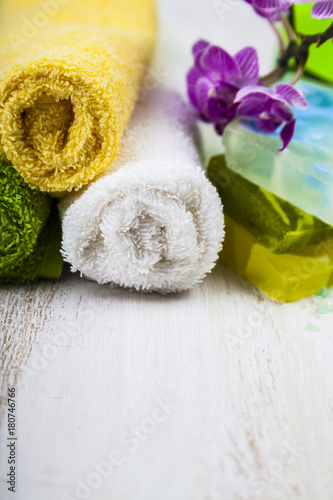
[(30, 231), (70, 74), (156, 224)]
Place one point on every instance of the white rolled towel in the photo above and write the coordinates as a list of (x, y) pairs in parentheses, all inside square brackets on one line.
[(156, 224)]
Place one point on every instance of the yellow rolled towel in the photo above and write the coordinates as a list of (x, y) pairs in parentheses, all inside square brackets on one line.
[(70, 74)]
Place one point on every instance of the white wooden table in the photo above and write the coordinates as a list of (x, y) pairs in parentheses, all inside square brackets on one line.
[(215, 394)]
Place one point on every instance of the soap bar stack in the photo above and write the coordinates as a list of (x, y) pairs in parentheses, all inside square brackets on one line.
[(279, 232)]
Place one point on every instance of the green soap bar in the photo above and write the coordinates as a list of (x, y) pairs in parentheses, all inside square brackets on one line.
[(30, 233), (275, 223), (320, 60)]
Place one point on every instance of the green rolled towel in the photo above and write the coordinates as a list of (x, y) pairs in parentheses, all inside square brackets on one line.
[(30, 231), (278, 225)]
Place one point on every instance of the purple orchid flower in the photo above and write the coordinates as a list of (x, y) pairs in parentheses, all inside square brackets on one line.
[(271, 108), (222, 88), (270, 9), (215, 79)]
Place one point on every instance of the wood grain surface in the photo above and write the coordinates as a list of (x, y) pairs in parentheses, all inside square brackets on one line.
[(219, 393), (248, 392)]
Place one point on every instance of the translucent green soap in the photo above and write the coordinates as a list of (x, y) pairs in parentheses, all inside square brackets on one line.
[(302, 174), (277, 224)]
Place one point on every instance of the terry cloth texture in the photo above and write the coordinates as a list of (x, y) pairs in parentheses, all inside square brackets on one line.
[(156, 224), (70, 75), (30, 231)]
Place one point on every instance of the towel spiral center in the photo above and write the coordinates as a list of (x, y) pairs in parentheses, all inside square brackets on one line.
[(46, 125), (143, 233)]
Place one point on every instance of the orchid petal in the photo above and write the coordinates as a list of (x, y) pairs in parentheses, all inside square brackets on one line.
[(291, 95), (268, 124), (221, 125), (272, 4), (282, 111), (250, 107), (216, 110), (247, 60), (192, 77), (203, 88), (253, 89), (218, 60), (254, 103), (270, 9), (323, 9), (199, 47), (226, 94), (287, 133)]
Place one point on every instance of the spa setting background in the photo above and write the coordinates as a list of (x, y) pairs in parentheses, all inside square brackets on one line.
[(218, 393)]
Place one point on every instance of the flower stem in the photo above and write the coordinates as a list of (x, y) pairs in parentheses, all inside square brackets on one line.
[(318, 39), (295, 50), (298, 74), (327, 35), (282, 67), (288, 27), (282, 43)]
